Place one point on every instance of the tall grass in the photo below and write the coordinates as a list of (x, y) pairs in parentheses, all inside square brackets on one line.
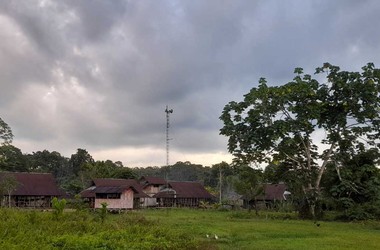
[(180, 229), (84, 230)]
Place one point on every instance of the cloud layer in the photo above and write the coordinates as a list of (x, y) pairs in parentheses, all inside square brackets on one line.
[(98, 74)]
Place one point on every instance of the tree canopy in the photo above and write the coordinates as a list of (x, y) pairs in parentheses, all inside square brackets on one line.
[(306, 123), (6, 135)]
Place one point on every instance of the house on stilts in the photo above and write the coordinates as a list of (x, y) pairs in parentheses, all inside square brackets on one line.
[(31, 190)]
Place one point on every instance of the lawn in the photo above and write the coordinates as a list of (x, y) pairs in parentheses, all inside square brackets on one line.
[(242, 230), (180, 229)]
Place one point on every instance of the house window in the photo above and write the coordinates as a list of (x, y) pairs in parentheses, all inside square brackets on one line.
[(113, 196), (108, 196)]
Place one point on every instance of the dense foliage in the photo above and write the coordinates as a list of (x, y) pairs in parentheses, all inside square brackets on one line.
[(355, 188), (250, 184), (75, 173), (6, 135), (282, 125)]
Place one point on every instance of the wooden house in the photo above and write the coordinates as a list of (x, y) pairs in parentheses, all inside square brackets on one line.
[(117, 193), (273, 193), (183, 194), (151, 186), (34, 190)]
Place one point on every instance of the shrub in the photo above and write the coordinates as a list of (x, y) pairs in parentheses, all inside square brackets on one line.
[(58, 207), (103, 211), (32, 217), (366, 211)]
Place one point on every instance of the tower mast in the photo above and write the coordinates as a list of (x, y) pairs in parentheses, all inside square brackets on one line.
[(167, 111)]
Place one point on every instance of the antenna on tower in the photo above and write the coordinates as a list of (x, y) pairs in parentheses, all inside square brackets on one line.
[(167, 111)]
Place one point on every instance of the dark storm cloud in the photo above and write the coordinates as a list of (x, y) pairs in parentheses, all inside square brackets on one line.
[(98, 74), (98, 17)]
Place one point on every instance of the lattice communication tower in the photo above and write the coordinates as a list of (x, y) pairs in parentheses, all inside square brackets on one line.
[(168, 112)]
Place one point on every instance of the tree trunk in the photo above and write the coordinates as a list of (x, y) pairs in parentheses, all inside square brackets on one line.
[(323, 167), (256, 208)]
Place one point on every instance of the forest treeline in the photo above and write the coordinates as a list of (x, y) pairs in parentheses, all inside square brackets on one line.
[(75, 173), (354, 191)]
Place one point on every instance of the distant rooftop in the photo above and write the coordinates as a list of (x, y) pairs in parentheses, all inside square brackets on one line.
[(33, 184)]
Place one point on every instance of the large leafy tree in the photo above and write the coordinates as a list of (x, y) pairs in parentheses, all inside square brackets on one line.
[(306, 123), (80, 158), (6, 135), (51, 162), (12, 159), (221, 178), (250, 185), (355, 189)]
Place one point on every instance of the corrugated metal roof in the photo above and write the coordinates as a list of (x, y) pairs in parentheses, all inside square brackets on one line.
[(34, 184), (153, 180), (109, 190), (109, 185), (110, 182), (185, 190), (88, 193), (273, 192)]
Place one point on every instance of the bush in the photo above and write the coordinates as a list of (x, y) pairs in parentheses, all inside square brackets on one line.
[(58, 207), (32, 217), (103, 211), (366, 211)]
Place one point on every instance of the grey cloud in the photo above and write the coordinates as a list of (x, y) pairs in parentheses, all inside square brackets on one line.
[(112, 66), (97, 17)]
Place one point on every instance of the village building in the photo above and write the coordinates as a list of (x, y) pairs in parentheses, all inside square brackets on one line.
[(273, 194), (33, 190), (117, 193), (147, 192), (151, 186), (183, 194)]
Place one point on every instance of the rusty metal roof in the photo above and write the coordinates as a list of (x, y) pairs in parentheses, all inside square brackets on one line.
[(34, 184), (185, 190), (273, 192), (109, 185), (110, 190), (151, 180), (88, 193)]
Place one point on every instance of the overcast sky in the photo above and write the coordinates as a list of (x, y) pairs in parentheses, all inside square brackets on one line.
[(98, 74)]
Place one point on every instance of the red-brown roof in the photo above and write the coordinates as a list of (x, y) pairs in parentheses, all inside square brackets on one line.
[(34, 184), (109, 185), (273, 192), (152, 180), (186, 190), (88, 192)]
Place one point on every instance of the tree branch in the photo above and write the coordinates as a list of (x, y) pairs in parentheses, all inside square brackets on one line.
[(293, 159), (323, 167)]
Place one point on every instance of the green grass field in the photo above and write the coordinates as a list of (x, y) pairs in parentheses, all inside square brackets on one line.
[(180, 229)]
